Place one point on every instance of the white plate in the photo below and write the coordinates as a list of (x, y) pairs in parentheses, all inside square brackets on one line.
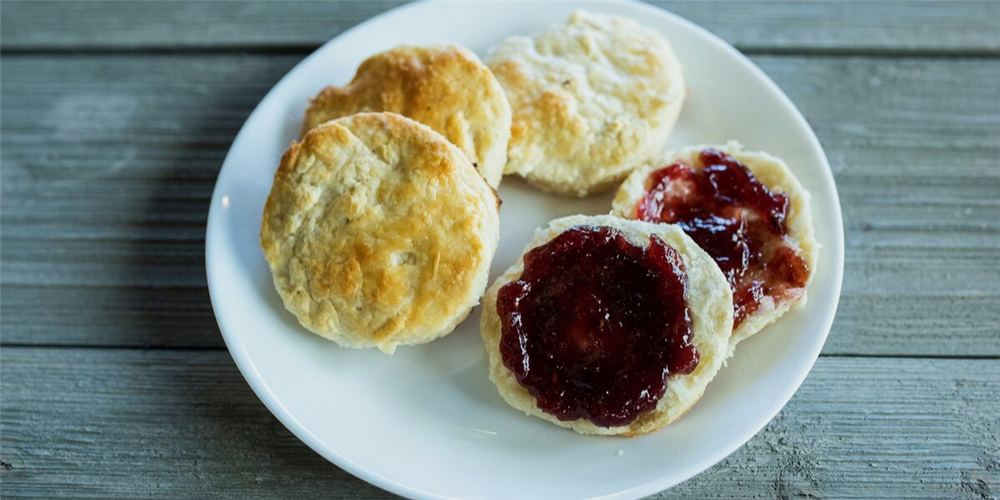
[(427, 422)]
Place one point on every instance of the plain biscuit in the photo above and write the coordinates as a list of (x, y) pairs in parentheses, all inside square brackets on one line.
[(592, 100), (775, 175), (445, 87), (709, 300), (379, 232)]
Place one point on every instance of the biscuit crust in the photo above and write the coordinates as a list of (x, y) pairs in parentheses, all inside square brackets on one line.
[(379, 232), (773, 173), (709, 299), (445, 87), (592, 100)]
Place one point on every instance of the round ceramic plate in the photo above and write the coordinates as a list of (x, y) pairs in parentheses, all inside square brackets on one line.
[(426, 422)]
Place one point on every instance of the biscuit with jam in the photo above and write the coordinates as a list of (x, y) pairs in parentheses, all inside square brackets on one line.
[(607, 326), (747, 210)]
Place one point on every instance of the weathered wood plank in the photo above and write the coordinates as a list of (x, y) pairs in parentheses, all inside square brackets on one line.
[(924, 26), (109, 163), (129, 423), (132, 316)]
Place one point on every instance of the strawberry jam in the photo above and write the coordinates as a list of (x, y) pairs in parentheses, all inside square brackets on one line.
[(734, 218), (595, 324)]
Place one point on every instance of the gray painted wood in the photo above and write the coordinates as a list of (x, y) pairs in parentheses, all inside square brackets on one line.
[(109, 163), (824, 25), (97, 423)]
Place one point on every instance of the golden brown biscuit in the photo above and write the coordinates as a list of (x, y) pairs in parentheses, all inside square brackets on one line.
[(709, 301), (772, 173), (445, 87), (592, 100), (379, 232)]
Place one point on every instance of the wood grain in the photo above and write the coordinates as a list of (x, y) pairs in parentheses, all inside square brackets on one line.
[(963, 27), (116, 116), (109, 163), (98, 423)]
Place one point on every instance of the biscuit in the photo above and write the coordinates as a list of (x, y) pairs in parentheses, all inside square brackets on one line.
[(445, 87), (773, 173), (592, 100), (379, 232), (709, 300)]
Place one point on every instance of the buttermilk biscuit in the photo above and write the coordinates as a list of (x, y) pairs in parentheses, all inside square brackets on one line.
[(379, 232), (773, 174), (592, 100), (709, 300), (445, 87)]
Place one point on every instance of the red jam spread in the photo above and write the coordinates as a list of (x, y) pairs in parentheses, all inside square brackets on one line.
[(734, 218), (596, 323)]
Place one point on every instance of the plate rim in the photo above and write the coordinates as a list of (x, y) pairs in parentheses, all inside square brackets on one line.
[(270, 400)]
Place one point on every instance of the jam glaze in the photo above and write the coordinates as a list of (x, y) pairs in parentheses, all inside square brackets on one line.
[(595, 324), (735, 219)]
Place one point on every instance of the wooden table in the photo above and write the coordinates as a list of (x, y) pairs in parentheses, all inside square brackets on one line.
[(116, 118)]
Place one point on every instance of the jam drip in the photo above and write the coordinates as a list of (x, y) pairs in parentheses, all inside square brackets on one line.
[(595, 324), (734, 218)]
